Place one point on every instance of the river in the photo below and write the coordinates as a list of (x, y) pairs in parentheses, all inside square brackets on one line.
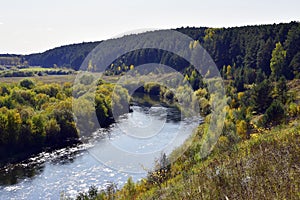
[(152, 128)]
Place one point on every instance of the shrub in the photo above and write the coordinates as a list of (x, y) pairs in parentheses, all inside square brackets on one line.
[(274, 114), (27, 83)]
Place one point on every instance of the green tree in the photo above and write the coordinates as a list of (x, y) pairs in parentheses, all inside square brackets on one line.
[(129, 189), (251, 55), (260, 76), (262, 96), (4, 90), (277, 61), (249, 75), (264, 55), (280, 90), (274, 114), (25, 135), (295, 65), (27, 83), (292, 43), (39, 125), (52, 129), (14, 125), (239, 83), (3, 128)]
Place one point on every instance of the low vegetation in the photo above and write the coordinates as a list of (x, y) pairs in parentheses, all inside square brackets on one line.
[(33, 71)]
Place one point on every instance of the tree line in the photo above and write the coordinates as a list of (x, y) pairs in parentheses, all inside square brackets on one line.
[(247, 47), (35, 116)]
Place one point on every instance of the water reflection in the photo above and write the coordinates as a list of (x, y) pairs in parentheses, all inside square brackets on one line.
[(146, 102), (11, 175), (14, 173)]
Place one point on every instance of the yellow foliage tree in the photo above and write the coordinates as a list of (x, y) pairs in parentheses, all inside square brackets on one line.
[(241, 128), (90, 66), (240, 95), (228, 71)]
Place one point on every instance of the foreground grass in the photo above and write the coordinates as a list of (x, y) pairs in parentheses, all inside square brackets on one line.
[(265, 167)]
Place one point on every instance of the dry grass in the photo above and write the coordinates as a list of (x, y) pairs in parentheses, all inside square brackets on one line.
[(264, 167), (60, 79)]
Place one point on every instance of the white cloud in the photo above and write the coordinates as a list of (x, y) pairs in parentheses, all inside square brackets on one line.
[(1, 23)]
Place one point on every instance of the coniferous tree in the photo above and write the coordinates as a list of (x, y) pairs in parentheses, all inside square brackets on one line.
[(277, 61), (264, 55), (262, 96)]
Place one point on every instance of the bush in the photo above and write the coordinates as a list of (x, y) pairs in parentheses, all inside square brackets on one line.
[(27, 83), (293, 110), (153, 88), (274, 114)]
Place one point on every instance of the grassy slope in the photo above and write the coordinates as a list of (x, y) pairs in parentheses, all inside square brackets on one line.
[(294, 89), (265, 167)]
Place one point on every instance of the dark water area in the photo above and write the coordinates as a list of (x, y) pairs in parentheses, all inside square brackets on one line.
[(142, 135)]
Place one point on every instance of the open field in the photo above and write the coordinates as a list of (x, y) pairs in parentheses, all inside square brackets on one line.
[(71, 77), (54, 79), (39, 69), (46, 79)]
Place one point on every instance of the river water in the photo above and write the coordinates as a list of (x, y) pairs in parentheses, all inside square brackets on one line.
[(127, 148)]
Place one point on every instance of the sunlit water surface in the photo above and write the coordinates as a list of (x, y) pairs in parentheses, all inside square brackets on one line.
[(146, 131)]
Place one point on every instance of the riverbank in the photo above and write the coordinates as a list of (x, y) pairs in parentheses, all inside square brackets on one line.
[(26, 154), (35, 116)]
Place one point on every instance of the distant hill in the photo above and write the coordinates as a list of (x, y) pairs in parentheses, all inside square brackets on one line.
[(248, 47), (69, 56)]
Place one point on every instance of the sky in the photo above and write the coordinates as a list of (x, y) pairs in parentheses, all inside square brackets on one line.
[(34, 26)]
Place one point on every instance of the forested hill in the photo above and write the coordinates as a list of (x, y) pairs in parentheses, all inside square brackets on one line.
[(249, 47), (70, 56)]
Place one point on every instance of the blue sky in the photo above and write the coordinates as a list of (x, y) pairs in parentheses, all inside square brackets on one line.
[(37, 25)]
